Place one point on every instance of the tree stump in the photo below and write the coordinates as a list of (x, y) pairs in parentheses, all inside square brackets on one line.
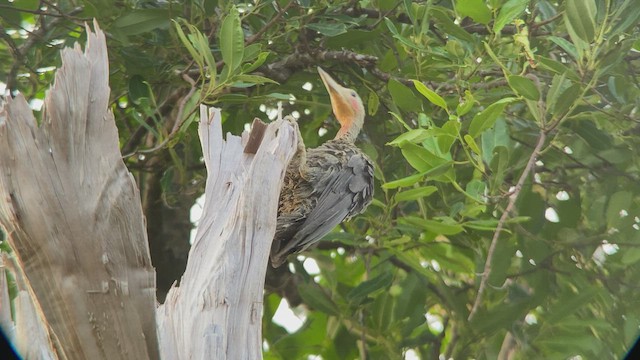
[(216, 312)]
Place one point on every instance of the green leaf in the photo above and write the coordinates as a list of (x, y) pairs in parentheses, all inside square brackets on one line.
[(414, 194), (198, 46), (391, 26), (444, 21), (430, 95), (138, 89), (420, 158), (524, 87), (629, 16), (569, 303), (141, 21), (414, 136), (328, 29), (618, 202), (558, 84), (472, 144), (509, 12), (482, 225), (402, 96), (405, 41), (475, 9), (475, 188), (455, 48), (447, 135), (466, 106), (409, 9), (566, 99), (360, 292), (251, 52), (450, 258), (247, 68), (316, 298), (566, 46), (580, 16), (630, 256), (373, 103), (499, 317), (494, 138), (434, 172), (445, 169), (486, 118), (254, 79), (279, 96), (494, 57), (534, 109), (433, 226), (404, 182), (232, 41)]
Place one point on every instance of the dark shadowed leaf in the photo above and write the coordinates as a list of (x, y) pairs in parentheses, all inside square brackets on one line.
[(142, 21), (365, 288), (317, 298), (580, 16), (508, 12), (232, 40), (416, 193), (475, 9), (402, 96), (524, 86), (328, 29), (430, 95), (434, 226), (487, 117)]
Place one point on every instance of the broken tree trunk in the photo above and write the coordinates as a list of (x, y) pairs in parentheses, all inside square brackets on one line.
[(216, 312), (73, 217)]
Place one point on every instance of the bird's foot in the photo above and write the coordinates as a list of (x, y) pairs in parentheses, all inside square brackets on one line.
[(301, 151)]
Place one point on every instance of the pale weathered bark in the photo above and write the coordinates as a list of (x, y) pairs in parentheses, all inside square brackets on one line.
[(73, 216), (216, 311)]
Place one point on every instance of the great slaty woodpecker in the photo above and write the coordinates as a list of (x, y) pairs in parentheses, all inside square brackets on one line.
[(325, 185)]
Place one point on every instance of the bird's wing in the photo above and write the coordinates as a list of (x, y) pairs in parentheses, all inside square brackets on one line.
[(347, 192)]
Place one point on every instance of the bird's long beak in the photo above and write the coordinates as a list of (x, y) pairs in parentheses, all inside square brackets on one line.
[(340, 101)]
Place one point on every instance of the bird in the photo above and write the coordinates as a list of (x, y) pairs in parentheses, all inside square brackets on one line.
[(326, 185)]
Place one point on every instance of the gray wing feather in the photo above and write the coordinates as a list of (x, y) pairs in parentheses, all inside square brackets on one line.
[(346, 194)]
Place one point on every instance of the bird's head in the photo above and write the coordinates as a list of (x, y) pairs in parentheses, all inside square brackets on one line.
[(347, 107)]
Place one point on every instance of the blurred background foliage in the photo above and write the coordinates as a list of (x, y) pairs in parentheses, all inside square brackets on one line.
[(506, 220)]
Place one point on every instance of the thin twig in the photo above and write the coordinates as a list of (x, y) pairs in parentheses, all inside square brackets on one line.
[(253, 38), (512, 201), (547, 21), (36, 35), (183, 102), (176, 126)]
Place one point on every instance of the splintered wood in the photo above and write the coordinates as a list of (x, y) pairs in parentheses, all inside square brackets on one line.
[(73, 216), (216, 311)]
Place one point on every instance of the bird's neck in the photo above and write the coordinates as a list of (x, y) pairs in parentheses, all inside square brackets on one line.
[(349, 130)]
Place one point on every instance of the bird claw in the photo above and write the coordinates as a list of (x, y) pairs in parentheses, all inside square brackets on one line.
[(301, 149)]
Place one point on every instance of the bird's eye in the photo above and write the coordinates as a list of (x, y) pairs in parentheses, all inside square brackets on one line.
[(353, 94)]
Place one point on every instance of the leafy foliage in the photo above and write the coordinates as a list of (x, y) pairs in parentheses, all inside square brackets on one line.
[(505, 133)]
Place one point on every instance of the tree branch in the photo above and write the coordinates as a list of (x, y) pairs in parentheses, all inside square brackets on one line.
[(255, 37), (19, 52), (505, 215)]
